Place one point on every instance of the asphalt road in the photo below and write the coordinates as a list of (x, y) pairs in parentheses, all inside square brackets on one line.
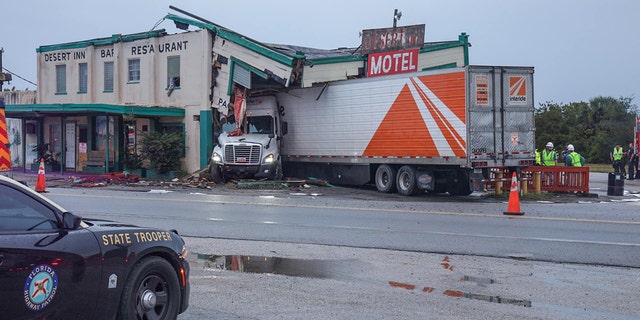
[(585, 230), (382, 257)]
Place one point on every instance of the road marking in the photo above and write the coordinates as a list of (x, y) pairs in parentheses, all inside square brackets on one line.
[(451, 213)]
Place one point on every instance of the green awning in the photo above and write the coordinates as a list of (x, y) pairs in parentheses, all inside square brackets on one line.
[(58, 109)]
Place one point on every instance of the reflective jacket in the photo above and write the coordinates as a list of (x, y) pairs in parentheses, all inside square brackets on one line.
[(617, 154), (575, 160), (548, 157)]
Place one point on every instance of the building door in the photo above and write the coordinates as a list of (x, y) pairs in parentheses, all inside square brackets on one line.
[(70, 145)]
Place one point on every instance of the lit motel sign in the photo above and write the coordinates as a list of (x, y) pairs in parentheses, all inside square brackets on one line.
[(392, 50)]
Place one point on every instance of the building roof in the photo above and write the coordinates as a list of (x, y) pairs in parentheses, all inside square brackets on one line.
[(285, 54), (103, 41), (282, 53)]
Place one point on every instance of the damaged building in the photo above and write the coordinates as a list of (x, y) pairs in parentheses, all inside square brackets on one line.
[(97, 97)]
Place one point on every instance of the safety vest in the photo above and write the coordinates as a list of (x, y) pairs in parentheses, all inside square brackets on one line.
[(548, 157), (538, 162), (617, 154), (575, 159)]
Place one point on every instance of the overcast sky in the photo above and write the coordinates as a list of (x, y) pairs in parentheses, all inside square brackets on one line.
[(580, 49)]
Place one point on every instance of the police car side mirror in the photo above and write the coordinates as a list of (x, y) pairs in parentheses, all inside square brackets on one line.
[(70, 221)]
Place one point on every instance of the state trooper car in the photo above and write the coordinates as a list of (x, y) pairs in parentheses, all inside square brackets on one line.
[(55, 265)]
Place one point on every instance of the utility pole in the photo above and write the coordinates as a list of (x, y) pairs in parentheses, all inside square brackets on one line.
[(1, 73), (3, 76)]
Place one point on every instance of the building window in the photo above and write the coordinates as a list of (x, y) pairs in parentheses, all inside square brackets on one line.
[(108, 76), (134, 70), (173, 72), (82, 76), (61, 79)]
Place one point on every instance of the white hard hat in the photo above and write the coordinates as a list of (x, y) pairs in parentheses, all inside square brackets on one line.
[(570, 147), (550, 144)]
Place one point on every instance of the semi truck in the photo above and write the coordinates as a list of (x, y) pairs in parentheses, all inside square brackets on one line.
[(440, 131)]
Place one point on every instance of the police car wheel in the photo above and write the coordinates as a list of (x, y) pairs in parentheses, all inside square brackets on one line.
[(152, 291)]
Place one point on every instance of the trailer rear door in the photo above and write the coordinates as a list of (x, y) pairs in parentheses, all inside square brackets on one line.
[(501, 116)]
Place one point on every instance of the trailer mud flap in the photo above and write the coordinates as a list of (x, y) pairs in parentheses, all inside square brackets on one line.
[(425, 179), (476, 181)]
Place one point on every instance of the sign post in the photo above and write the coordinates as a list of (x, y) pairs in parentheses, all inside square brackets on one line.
[(5, 156)]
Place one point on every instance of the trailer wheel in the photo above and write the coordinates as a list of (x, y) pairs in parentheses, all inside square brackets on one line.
[(406, 181), (386, 178)]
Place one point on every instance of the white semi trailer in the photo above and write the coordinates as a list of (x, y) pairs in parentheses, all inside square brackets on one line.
[(440, 131)]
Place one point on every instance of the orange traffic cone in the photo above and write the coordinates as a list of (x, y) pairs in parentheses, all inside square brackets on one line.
[(41, 182), (514, 198)]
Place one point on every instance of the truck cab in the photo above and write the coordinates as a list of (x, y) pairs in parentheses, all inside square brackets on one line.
[(254, 150)]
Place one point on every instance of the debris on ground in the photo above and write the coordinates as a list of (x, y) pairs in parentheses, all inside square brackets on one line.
[(199, 179), (90, 181)]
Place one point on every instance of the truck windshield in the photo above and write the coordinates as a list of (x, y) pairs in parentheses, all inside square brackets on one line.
[(257, 124), (261, 124)]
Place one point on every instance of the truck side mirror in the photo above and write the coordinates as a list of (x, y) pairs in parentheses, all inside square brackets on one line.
[(285, 127)]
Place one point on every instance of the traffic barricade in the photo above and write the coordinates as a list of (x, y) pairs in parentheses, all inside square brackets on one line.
[(552, 179)]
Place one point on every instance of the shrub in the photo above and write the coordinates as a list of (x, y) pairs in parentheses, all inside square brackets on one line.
[(163, 150)]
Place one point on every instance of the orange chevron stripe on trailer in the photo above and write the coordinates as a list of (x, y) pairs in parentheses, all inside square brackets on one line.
[(427, 119), (452, 136), (448, 88), (5, 156), (402, 132)]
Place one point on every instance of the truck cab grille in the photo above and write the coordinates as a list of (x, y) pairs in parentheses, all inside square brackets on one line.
[(242, 154)]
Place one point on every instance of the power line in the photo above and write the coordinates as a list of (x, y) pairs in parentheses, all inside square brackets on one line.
[(31, 82)]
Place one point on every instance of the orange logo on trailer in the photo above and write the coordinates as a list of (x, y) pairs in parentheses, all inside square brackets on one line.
[(427, 118), (518, 90)]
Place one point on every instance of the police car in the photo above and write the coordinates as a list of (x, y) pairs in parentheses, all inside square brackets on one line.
[(55, 265)]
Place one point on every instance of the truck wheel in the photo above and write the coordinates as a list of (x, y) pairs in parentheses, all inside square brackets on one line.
[(214, 171), (386, 179), (152, 291), (406, 181), (278, 174)]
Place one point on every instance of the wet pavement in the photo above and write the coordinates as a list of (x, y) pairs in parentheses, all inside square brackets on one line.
[(598, 186), (328, 282), (238, 279)]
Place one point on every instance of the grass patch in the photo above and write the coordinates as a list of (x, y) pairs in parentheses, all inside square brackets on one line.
[(601, 167)]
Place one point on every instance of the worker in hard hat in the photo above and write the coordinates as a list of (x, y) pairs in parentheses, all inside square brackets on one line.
[(549, 156), (617, 159), (573, 158)]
